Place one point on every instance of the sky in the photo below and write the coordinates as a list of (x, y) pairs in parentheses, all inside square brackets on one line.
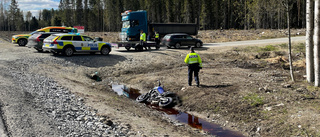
[(35, 5)]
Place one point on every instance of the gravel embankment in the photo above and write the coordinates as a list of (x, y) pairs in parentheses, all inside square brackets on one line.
[(46, 107)]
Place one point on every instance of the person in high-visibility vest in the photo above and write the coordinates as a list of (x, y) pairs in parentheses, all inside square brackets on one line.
[(157, 39), (194, 65), (143, 38)]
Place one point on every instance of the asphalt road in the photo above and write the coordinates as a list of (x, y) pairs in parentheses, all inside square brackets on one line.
[(257, 42)]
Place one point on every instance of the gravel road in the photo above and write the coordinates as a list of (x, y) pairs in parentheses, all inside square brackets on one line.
[(256, 42), (35, 105)]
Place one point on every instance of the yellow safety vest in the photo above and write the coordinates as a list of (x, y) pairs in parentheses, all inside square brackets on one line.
[(157, 35), (143, 36), (192, 58)]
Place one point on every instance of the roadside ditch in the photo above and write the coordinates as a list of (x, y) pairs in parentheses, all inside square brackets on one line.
[(177, 116)]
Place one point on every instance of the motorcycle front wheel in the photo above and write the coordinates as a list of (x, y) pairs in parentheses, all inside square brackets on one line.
[(166, 102), (142, 98)]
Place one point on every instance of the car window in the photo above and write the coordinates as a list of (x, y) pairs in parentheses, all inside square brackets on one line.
[(60, 30), (134, 23), (44, 35), (184, 36), (66, 38), (34, 36), (179, 36), (126, 24), (77, 38), (87, 38), (189, 37), (51, 37), (166, 37)]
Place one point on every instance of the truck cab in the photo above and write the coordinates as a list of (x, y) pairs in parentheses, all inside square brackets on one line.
[(132, 23)]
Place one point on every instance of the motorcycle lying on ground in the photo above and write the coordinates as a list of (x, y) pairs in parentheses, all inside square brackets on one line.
[(159, 96)]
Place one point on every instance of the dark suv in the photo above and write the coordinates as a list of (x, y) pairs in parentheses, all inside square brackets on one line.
[(180, 39)]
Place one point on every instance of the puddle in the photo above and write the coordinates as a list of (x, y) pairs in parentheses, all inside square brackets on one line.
[(123, 90), (179, 116)]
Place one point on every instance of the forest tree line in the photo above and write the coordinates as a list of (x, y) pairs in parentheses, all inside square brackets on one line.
[(105, 15)]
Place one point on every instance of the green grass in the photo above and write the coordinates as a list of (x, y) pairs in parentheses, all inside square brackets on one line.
[(283, 46), (300, 47), (254, 99), (268, 48)]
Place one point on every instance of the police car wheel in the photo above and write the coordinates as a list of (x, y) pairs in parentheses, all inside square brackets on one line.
[(177, 46), (68, 51), (105, 51), (128, 48)]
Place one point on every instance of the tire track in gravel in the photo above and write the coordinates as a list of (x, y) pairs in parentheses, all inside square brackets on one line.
[(3, 127)]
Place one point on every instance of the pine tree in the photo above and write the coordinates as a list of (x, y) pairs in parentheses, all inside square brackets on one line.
[(203, 15), (2, 17), (169, 9), (13, 15), (186, 11), (79, 11)]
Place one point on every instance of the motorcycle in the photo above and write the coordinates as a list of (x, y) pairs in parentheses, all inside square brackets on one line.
[(159, 96)]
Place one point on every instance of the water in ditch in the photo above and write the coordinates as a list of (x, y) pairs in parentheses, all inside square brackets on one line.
[(181, 117)]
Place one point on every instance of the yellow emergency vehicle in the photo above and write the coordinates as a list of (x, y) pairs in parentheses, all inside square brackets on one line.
[(22, 39), (68, 44)]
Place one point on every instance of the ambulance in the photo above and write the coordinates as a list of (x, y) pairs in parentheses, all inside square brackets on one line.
[(22, 39)]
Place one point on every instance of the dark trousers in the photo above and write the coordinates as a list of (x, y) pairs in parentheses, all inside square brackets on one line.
[(144, 44), (157, 43), (193, 68), (157, 40)]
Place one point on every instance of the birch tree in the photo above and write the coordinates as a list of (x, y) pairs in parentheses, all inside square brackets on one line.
[(309, 41), (288, 5), (316, 42)]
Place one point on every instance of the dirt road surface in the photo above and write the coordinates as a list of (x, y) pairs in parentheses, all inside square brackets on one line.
[(298, 39), (241, 90)]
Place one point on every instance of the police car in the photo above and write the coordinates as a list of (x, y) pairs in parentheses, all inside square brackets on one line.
[(68, 44)]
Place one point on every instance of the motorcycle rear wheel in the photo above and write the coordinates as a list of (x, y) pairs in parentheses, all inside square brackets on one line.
[(166, 102)]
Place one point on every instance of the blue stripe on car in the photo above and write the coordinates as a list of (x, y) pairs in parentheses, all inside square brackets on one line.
[(60, 43)]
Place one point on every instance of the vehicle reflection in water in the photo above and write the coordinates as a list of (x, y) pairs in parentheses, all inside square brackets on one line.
[(123, 90), (179, 116)]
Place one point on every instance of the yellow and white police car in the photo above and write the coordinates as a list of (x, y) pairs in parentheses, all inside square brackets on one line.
[(68, 44)]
